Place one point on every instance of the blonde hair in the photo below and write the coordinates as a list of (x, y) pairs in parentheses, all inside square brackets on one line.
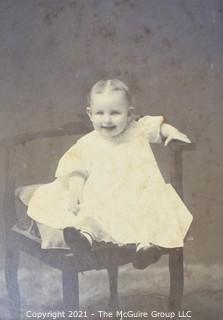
[(103, 86)]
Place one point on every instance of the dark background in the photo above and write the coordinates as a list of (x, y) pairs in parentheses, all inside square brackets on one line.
[(168, 52)]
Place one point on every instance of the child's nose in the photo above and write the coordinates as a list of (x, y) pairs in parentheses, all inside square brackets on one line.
[(107, 118)]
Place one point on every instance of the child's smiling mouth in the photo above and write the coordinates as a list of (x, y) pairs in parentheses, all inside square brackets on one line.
[(108, 127)]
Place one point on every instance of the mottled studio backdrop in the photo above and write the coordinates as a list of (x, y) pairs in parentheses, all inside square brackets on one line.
[(170, 53)]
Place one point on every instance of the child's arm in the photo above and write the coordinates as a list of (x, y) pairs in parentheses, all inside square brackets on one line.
[(170, 133), (76, 184)]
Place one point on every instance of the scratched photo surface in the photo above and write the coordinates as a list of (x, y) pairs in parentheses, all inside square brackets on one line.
[(169, 54)]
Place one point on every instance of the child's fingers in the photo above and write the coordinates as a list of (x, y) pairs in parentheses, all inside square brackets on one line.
[(186, 139), (168, 139), (180, 136), (75, 213), (74, 208)]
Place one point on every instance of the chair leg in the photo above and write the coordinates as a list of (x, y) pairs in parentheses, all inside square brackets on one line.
[(176, 269), (11, 272), (113, 286), (70, 289)]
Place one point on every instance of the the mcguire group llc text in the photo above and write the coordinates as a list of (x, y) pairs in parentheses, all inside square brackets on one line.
[(101, 314)]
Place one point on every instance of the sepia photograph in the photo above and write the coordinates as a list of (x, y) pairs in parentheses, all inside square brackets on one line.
[(111, 122)]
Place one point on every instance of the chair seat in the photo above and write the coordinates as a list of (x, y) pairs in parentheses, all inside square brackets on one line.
[(87, 260)]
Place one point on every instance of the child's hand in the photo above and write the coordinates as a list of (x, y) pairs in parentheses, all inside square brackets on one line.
[(75, 190), (177, 136), (171, 133), (73, 205)]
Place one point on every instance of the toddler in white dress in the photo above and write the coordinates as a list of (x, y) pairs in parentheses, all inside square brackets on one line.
[(108, 186)]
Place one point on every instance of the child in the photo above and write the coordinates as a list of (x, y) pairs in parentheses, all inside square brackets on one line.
[(109, 187)]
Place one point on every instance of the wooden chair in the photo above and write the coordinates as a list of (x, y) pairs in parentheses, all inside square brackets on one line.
[(68, 263)]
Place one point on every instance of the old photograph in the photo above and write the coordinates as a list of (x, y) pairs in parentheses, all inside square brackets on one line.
[(111, 159)]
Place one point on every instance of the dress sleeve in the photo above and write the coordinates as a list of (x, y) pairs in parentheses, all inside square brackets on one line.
[(151, 127), (76, 159)]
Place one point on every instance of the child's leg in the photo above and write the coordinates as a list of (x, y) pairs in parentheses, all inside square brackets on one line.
[(86, 236), (146, 255), (74, 236)]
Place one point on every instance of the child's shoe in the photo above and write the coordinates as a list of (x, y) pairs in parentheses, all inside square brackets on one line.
[(74, 237), (146, 255)]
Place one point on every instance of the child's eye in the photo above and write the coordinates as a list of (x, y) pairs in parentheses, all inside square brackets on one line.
[(115, 112), (99, 112)]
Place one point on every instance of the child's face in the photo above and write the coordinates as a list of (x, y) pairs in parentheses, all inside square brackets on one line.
[(109, 113)]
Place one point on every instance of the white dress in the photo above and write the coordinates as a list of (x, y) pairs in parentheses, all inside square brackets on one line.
[(125, 198)]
